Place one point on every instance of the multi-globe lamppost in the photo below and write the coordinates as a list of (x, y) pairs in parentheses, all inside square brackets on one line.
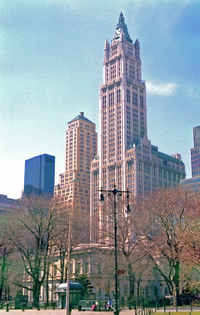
[(115, 192)]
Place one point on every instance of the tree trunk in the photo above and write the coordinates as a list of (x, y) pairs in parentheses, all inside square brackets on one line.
[(36, 294), (131, 277), (3, 276), (176, 284), (47, 285), (138, 290), (1, 292)]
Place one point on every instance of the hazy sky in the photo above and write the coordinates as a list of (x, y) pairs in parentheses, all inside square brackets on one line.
[(51, 55)]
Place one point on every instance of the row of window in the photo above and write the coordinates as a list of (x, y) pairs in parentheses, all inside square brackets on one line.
[(134, 98), (113, 69), (128, 98), (111, 98)]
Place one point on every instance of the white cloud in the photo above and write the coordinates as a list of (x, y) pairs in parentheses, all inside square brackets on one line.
[(161, 88)]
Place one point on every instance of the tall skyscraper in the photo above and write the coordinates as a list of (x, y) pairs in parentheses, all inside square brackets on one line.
[(127, 158), (195, 152), (39, 175), (73, 189), (194, 182)]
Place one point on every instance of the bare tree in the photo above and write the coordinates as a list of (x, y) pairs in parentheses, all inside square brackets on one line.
[(130, 242), (192, 237), (130, 228), (167, 212), (71, 228), (6, 249), (60, 242), (31, 234)]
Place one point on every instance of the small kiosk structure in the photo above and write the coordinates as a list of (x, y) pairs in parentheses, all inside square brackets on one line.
[(75, 289)]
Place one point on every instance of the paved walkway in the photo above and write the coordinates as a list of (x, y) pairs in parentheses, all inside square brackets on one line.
[(76, 312), (61, 312)]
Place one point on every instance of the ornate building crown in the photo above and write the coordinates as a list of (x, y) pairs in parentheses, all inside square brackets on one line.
[(121, 28)]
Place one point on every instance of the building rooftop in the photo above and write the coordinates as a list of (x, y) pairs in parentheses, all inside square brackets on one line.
[(40, 155), (81, 117), (165, 156), (7, 204)]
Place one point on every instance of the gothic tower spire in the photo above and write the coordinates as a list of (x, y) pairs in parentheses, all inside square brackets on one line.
[(121, 29)]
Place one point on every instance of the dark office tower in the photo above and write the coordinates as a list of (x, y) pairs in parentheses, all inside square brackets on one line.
[(39, 175)]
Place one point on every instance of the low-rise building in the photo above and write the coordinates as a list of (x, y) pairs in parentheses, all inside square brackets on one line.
[(8, 204)]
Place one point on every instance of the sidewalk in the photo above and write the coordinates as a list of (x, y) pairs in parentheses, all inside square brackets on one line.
[(61, 312)]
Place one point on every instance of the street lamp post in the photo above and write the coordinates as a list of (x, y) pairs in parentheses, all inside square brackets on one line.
[(68, 310), (115, 192)]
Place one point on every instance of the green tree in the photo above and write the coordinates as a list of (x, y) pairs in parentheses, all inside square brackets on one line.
[(86, 284)]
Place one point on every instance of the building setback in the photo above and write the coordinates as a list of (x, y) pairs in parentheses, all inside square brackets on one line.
[(73, 189), (127, 157), (39, 175)]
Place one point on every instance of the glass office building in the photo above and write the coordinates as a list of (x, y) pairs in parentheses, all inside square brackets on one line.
[(39, 175)]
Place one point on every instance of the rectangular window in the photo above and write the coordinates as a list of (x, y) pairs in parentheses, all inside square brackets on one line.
[(118, 96), (131, 72), (111, 99), (104, 100), (141, 101), (128, 96), (119, 68), (135, 100), (107, 76)]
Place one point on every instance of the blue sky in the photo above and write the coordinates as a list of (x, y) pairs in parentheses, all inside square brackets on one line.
[(51, 54)]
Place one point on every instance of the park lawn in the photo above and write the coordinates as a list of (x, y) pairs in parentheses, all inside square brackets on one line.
[(177, 313)]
